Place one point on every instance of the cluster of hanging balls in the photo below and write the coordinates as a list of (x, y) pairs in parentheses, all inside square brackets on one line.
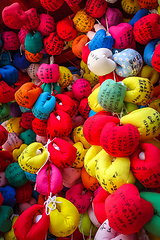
[(80, 147)]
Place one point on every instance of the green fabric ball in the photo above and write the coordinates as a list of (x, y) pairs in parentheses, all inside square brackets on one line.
[(111, 95), (46, 87), (153, 226), (15, 175), (28, 137), (33, 42), (4, 112), (5, 223)]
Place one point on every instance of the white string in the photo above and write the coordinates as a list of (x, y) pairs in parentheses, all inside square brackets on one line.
[(106, 22), (98, 21), (45, 237), (50, 200), (46, 146), (114, 76), (13, 215), (90, 233), (72, 236), (83, 235), (52, 59), (21, 50)]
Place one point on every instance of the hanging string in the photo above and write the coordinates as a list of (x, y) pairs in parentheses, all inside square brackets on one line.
[(72, 236), (114, 76), (46, 146), (98, 21), (50, 200), (47, 13), (52, 59), (40, 84), (90, 233), (45, 237), (83, 235), (106, 23)]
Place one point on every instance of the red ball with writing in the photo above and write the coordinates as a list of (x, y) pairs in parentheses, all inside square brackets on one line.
[(147, 28), (145, 165), (96, 8), (119, 141), (23, 193), (126, 211)]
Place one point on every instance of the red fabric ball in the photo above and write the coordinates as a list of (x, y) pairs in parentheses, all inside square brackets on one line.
[(66, 104), (119, 141), (27, 119), (126, 211), (85, 52), (32, 19), (84, 108), (53, 45), (96, 8), (71, 3), (46, 25), (39, 126), (25, 227), (13, 16), (51, 5), (59, 124), (81, 88), (80, 198), (147, 28), (155, 61), (11, 41), (99, 205), (66, 30), (149, 4), (62, 153), (6, 158), (22, 34), (6, 93), (23, 193), (3, 135), (145, 165), (93, 126)]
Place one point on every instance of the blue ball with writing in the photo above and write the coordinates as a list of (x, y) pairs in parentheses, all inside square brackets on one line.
[(30, 176), (20, 61), (9, 196), (44, 106), (9, 74), (101, 40), (149, 51), (129, 62)]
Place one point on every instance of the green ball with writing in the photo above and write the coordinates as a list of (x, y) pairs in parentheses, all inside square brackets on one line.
[(111, 95), (28, 137), (15, 175), (5, 214), (34, 42), (4, 112), (153, 226)]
